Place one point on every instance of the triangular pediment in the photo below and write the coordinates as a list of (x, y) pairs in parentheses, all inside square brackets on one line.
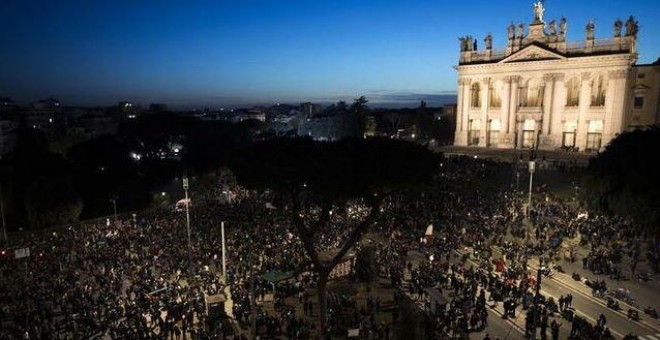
[(641, 87), (531, 53)]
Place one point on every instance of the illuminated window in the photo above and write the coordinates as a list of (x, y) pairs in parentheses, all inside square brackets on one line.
[(529, 133), (493, 132), (474, 128), (569, 133), (594, 135)]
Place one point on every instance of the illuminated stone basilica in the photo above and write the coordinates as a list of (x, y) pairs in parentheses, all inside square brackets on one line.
[(542, 91)]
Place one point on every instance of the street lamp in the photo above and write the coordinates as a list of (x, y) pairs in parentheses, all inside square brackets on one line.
[(185, 189), (113, 199), (2, 212), (532, 166)]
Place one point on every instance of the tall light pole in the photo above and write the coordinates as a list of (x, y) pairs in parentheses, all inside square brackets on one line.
[(185, 190), (2, 212), (113, 199), (224, 263), (532, 166)]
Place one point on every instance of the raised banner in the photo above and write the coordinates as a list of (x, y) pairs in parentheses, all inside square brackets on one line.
[(21, 253)]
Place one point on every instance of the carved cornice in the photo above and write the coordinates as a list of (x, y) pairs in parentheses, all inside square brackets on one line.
[(486, 81), (512, 78), (585, 76), (553, 76), (464, 81), (590, 61), (617, 74)]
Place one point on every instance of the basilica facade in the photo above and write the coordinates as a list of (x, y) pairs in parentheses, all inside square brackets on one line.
[(544, 92)]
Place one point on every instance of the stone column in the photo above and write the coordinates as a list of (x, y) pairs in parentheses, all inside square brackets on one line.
[(485, 97), (513, 105), (459, 107), (558, 103), (614, 105), (467, 98), (585, 103), (462, 110), (504, 110), (549, 87)]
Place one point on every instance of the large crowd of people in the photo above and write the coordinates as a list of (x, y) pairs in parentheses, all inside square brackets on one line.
[(136, 278)]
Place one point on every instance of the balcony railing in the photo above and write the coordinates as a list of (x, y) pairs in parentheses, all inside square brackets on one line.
[(622, 44), (600, 45)]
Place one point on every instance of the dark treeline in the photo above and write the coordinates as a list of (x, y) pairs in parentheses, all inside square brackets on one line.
[(42, 188), (56, 175)]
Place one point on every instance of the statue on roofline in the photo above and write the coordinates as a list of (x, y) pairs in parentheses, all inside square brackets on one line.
[(562, 26), (511, 31), (489, 41), (618, 24), (591, 26), (552, 27), (463, 41), (538, 11), (521, 29), (468, 43), (632, 27)]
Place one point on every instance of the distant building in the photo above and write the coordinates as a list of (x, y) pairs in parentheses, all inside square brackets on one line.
[(48, 116), (7, 136), (252, 114), (544, 92), (158, 107)]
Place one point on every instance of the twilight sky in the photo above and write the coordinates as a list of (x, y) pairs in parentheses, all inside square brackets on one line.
[(242, 52)]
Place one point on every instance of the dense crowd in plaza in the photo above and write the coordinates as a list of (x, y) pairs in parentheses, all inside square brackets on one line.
[(132, 278)]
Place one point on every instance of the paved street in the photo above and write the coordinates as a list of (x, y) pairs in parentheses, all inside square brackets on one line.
[(587, 307), (584, 305)]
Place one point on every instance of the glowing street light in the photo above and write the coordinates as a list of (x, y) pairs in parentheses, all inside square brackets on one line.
[(185, 189), (532, 168)]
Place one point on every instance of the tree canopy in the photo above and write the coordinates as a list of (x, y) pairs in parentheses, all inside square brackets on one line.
[(311, 179), (624, 179), (52, 201), (347, 169)]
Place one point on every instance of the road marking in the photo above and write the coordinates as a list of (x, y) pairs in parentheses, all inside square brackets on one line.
[(582, 315), (620, 312), (579, 292)]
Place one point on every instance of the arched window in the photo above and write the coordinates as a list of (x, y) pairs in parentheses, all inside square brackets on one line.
[(534, 94), (475, 95), (522, 93), (495, 94), (598, 89), (573, 92)]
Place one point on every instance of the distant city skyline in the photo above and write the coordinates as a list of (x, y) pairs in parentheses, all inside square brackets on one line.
[(243, 53)]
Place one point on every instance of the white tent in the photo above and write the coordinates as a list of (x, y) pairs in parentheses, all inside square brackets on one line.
[(181, 204)]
